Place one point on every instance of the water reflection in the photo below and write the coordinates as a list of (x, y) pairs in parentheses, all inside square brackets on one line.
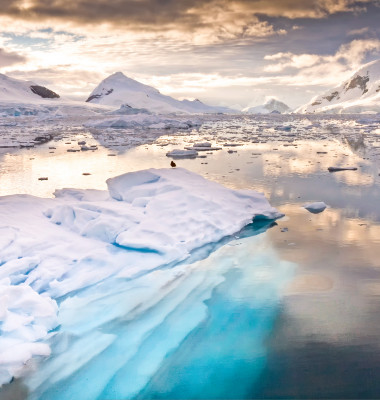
[(325, 343)]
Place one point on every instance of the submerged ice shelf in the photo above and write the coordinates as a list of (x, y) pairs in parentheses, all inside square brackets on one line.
[(126, 339), (102, 242)]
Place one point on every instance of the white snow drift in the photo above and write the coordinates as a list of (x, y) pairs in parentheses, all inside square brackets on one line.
[(50, 248)]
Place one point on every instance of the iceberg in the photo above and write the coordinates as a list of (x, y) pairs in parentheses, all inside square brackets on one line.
[(316, 207), (142, 120), (52, 249), (114, 339), (178, 153)]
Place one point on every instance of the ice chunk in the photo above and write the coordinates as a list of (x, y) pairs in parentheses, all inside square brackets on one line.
[(316, 207), (25, 318), (178, 153), (203, 148), (203, 144)]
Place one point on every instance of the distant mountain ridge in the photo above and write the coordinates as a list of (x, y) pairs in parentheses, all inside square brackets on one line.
[(118, 90), (16, 90), (271, 106), (358, 94)]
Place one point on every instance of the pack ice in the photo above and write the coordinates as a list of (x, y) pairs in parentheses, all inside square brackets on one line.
[(51, 249)]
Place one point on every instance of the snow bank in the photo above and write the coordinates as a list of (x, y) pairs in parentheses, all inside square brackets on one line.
[(51, 248)]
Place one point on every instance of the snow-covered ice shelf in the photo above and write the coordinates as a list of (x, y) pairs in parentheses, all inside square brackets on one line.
[(52, 248)]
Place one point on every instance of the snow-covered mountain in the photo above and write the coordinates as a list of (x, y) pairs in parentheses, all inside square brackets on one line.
[(118, 89), (15, 90), (359, 94), (271, 106)]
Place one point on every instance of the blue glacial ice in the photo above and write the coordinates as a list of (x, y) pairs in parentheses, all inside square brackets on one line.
[(178, 332), (93, 275)]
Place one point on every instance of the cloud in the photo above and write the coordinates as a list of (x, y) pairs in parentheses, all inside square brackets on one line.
[(197, 21), (10, 58), (321, 70), (358, 32), (166, 14), (201, 48), (289, 60), (349, 55)]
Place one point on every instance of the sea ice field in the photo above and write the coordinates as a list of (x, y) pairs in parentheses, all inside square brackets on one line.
[(247, 271)]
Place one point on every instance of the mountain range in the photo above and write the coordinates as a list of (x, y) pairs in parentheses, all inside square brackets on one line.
[(360, 93), (118, 90), (271, 106), (14, 90)]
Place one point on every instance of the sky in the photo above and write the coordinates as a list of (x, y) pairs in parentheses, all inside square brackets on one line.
[(223, 52)]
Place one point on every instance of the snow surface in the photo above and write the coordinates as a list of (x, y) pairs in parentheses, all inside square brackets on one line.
[(119, 90), (18, 100), (51, 248), (16, 90), (359, 94)]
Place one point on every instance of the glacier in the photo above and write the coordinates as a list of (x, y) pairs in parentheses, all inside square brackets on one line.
[(63, 259), (358, 94)]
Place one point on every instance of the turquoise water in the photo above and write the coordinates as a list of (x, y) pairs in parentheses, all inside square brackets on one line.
[(283, 311)]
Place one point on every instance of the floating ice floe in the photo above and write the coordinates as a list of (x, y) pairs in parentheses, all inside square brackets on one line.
[(336, 169), (316, 207), (178, 153), (52, 248), (204, 146), (232, 144), (142, 120)]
